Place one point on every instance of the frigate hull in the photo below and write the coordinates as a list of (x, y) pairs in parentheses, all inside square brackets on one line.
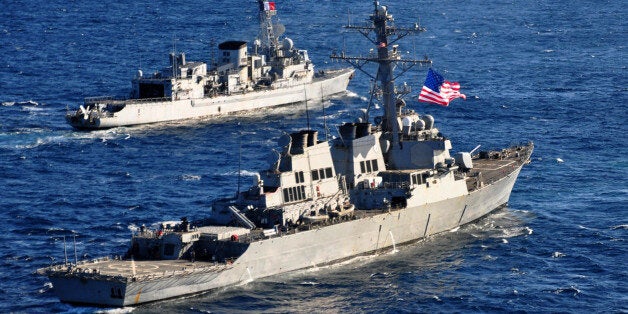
[(318, 246), (137, 112)]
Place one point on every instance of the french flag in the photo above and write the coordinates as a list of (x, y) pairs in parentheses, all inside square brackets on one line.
[(269, 6)]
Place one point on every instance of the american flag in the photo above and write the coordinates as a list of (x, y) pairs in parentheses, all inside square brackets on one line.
[(438, 91)]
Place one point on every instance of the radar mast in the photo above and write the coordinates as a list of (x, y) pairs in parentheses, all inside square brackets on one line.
[(268, 35), (382, 32)]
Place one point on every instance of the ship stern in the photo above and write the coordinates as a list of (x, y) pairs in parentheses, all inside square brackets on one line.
[(92, 291)]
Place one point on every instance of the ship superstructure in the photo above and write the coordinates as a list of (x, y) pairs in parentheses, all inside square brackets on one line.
[(378, 183), (272, 73)]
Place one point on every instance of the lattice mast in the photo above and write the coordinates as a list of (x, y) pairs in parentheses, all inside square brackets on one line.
[(383, 34), (269, 41)]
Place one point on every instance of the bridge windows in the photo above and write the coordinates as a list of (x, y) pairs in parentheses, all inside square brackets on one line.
[(322, 173), (298, 177), (368, 166), (293, 194)]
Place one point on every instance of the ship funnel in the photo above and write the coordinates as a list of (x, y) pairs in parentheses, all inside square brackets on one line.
[(299, 142), (312, 138), (347, 132), (362, 129)]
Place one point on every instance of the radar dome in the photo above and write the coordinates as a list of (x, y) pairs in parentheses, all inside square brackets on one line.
[(381, 10), (288, 44), (407, 121), (429, 121)]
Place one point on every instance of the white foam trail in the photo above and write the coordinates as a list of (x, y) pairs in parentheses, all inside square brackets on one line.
[(116, 311), (309, 283), (244, 173), (352, 94)]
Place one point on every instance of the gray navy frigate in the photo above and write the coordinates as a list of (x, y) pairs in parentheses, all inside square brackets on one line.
[(320, 202), (274, 73)]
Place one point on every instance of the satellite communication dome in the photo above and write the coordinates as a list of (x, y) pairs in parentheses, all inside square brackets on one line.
[(288, 44)]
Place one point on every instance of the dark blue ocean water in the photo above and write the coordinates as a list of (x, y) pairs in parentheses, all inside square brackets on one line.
[(553, 72)]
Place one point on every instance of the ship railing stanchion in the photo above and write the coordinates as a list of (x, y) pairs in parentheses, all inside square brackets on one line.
[(65, 252), (75, 256)]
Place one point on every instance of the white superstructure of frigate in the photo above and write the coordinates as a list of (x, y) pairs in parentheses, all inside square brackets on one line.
[(273, 73), (319, 202)]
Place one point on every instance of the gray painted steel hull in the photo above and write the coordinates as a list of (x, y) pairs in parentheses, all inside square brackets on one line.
[(300, 250), (138, 112)]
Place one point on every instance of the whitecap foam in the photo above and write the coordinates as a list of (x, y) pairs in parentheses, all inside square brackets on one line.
[(242, 172), (309, 283), (28, 103), (133, 228), (190, 177), (489, 257), (558, 254), (573, 290), (47, 287), (32, 108)]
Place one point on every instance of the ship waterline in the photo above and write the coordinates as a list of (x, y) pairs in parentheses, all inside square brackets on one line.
[(135, 112), (116, 284), (378, 184), (272, 73)]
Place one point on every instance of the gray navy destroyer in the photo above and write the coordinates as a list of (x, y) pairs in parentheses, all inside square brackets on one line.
[(274, 73), (378, 184)]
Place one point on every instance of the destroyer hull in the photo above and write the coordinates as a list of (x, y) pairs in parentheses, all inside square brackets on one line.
[(305, 249), (138, 112)]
